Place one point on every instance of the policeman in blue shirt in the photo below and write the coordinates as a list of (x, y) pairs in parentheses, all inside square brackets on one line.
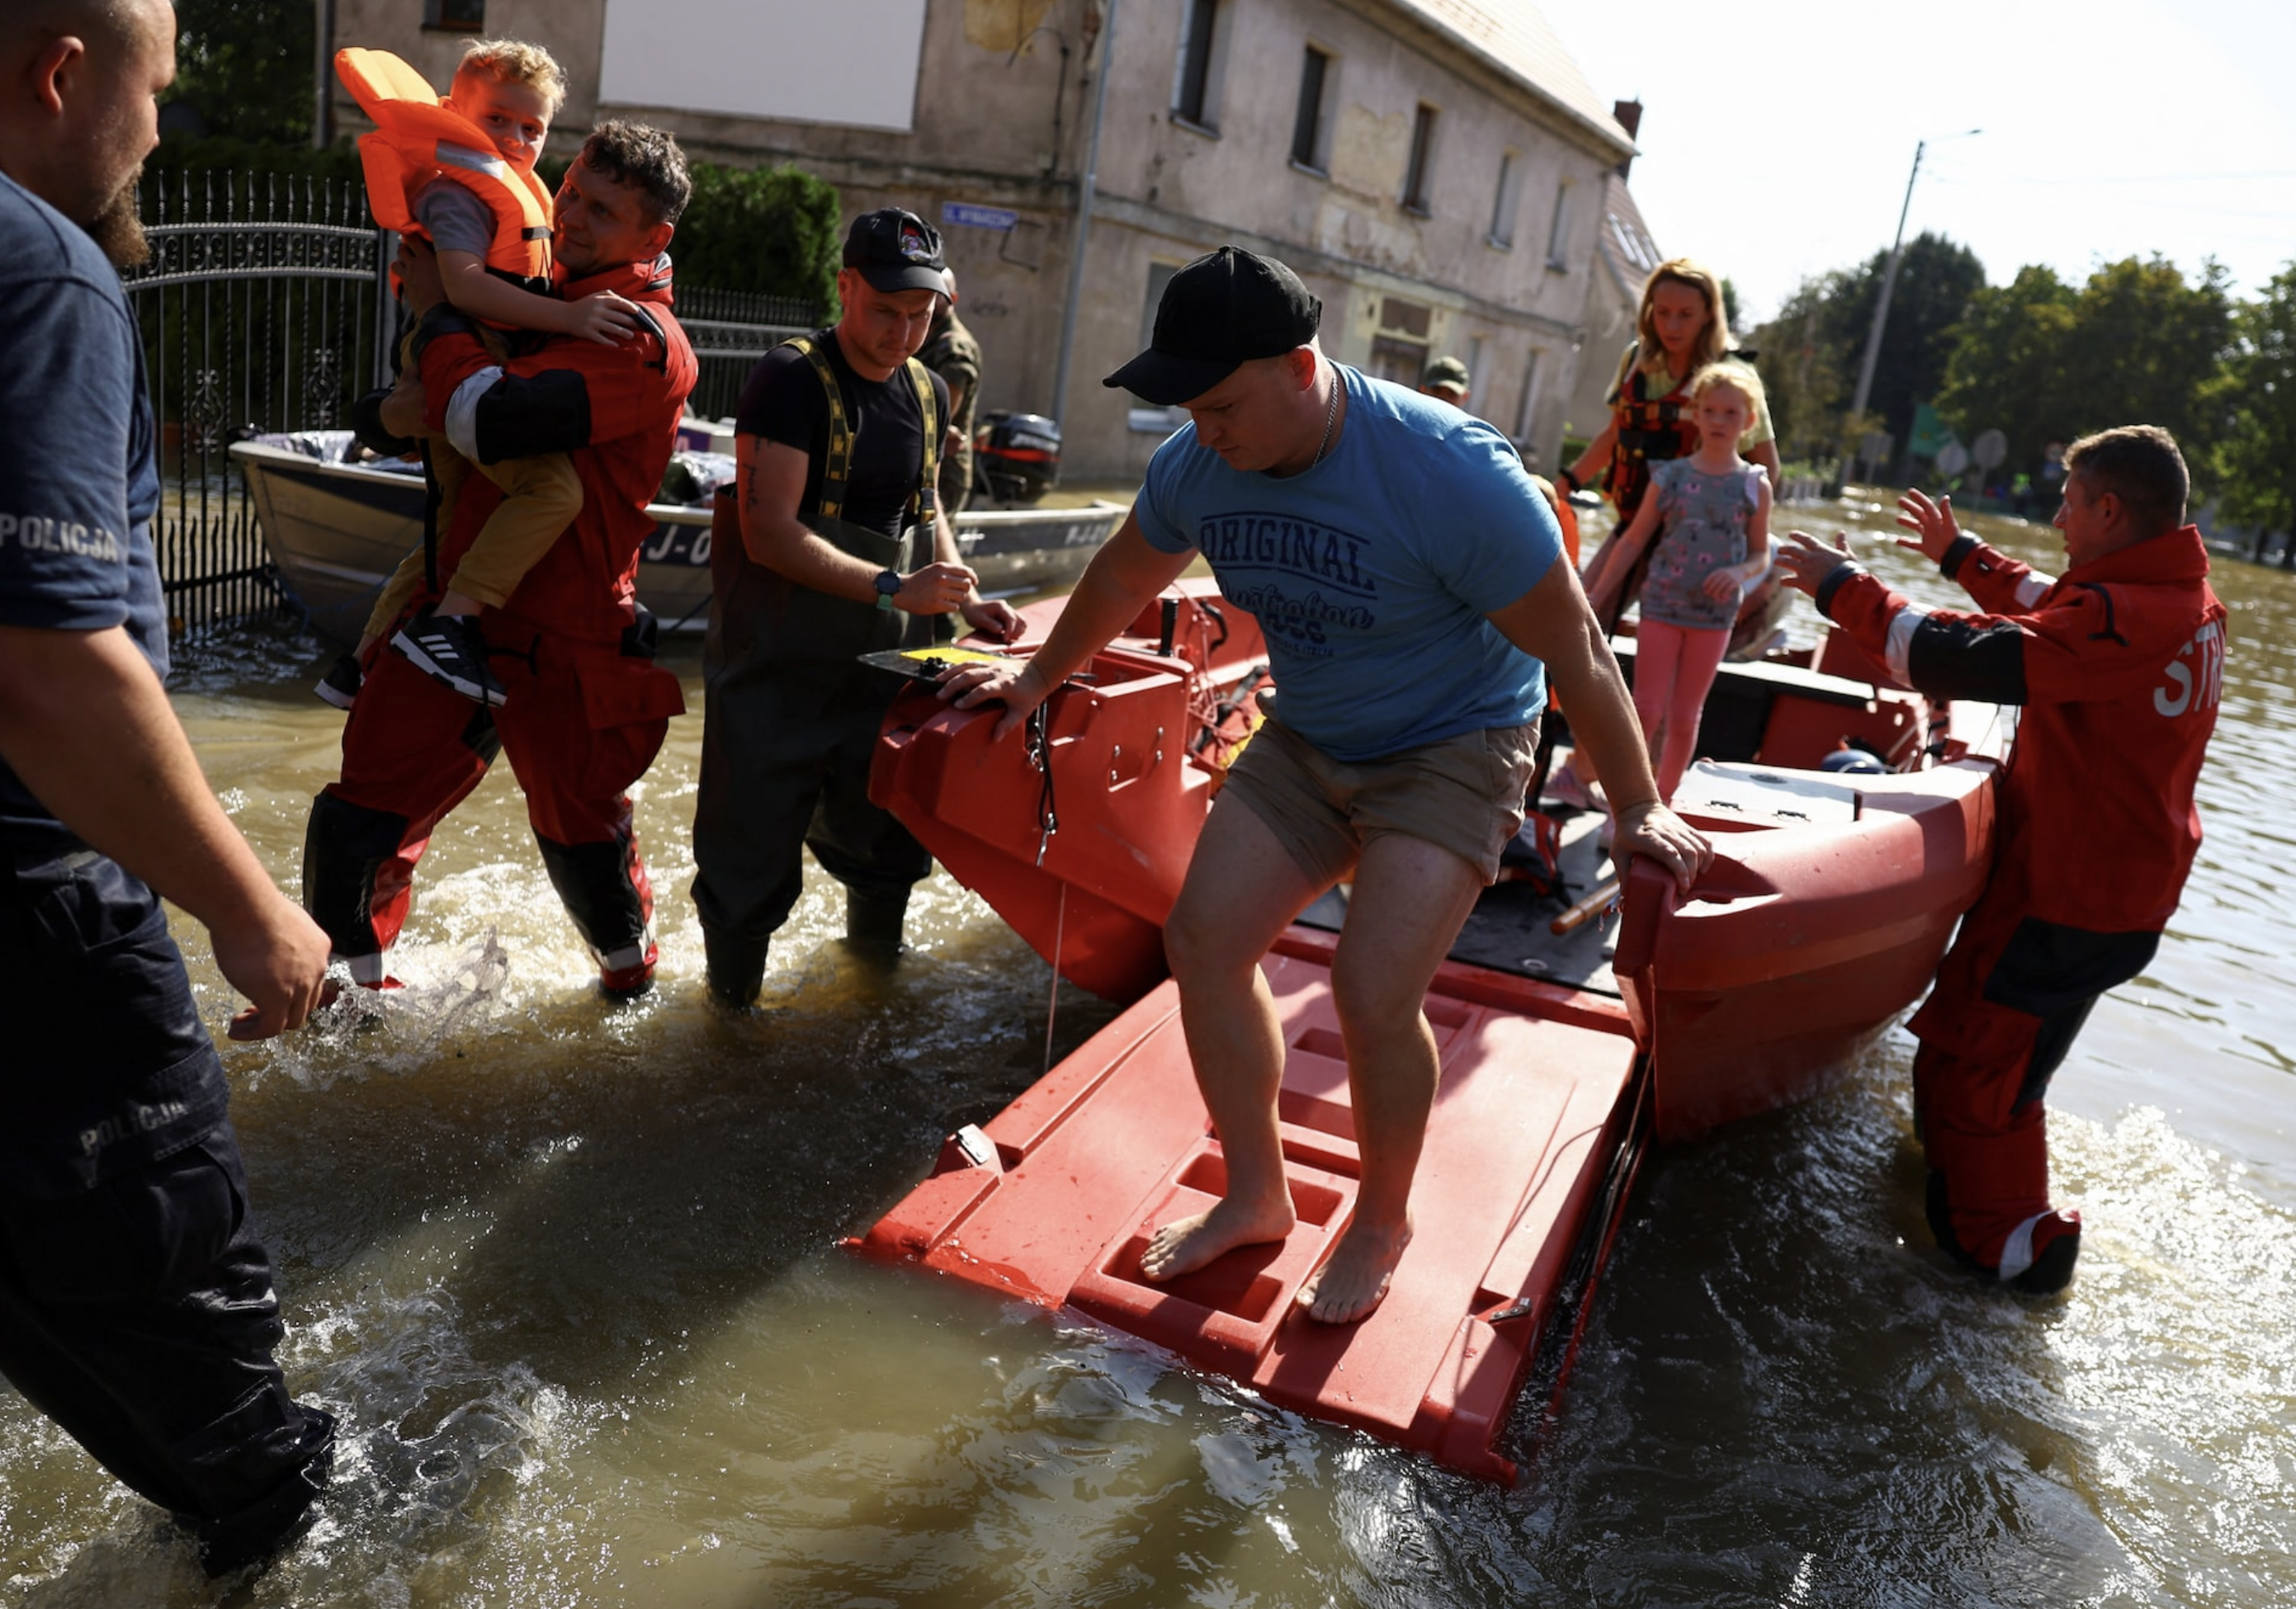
[(136, 1307)]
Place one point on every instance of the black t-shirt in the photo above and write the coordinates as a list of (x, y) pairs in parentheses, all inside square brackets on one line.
[(783, 403)]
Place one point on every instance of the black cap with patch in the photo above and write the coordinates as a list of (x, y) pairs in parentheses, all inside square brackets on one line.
[(895, 251), (1221, 312)]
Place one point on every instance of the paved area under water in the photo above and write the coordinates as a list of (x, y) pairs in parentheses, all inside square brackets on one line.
[(567, 1272)]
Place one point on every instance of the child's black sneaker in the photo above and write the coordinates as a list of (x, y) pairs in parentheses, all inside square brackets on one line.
[(450, 649), (340, 685)]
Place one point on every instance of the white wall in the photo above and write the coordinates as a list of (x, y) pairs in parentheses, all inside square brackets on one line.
[(846, 61)]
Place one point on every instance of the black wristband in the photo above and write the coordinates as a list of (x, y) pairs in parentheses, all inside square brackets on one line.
[(1962, 546), (1572, 480), (1835, 580)]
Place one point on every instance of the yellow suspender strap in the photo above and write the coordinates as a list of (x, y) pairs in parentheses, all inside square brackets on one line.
[(928, 487), (837, 464)]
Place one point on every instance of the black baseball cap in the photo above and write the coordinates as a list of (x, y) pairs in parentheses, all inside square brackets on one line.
[(895, 251), (1221, 311)]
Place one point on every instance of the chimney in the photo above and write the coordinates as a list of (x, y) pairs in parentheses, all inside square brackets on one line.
[(1628, 115)]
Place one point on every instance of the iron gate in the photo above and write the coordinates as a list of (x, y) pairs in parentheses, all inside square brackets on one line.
[(730, 331), (263, 307)]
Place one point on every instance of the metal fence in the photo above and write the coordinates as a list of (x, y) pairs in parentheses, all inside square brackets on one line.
[(263, 307), (731, 331), (266, 307)]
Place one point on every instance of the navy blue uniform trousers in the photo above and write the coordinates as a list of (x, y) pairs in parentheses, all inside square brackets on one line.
[(136, 1307)]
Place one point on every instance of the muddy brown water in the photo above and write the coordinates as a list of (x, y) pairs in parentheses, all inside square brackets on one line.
[(568, 1274)]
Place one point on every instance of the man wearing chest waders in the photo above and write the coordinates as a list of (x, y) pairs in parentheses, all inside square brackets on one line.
[(843, 552), (136, 1307), (1403, 567)]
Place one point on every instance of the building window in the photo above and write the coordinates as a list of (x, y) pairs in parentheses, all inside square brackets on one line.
[(1160, 274), (1308, 125), (1530, 400), (1502, 203), (1415, 173), (1195, 79), (1558, 231), (455, 16), (1400, 361), (1143, 417)]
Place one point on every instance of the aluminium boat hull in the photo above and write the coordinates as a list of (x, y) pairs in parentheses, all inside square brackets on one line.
[(336, 532)]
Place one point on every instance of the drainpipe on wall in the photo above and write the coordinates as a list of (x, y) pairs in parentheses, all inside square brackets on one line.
[(322, 75), (1085, 192)]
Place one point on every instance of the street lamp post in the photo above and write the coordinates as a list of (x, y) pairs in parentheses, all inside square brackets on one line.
[(1890, 282), (322, 75), (1088, 182)]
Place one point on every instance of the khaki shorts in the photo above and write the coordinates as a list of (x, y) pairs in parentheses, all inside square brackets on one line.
[(1463, 794)]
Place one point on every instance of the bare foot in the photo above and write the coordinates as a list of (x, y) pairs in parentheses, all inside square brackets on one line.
[(1354, 1278), (1185, 1245)]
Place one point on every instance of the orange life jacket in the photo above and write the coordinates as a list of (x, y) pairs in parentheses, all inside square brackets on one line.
[(1651, 430), (416, 141)]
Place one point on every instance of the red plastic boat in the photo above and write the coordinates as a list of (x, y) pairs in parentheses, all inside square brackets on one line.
[(1830, 901)]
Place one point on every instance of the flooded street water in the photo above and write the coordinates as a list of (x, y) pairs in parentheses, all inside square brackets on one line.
[(568, 1274)]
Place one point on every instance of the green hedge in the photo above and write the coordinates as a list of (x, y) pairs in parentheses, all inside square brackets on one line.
[(769, 230)]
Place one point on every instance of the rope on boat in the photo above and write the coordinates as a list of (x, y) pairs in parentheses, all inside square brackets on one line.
[(1040, 756), (1048, 823)]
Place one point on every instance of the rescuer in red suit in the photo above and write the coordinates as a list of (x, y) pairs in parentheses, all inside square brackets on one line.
[(587, 708), (2117, 665)]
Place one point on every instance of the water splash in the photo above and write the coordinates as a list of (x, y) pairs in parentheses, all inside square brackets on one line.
[(440, 1002)]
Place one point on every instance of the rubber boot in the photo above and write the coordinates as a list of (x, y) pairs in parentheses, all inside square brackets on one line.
[(737, 967), (874, 917)]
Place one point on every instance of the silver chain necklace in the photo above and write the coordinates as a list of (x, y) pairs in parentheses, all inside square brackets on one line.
[(1331, 413)]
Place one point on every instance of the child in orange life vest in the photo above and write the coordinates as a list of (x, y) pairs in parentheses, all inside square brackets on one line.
[(1710, 513), (510, 91)]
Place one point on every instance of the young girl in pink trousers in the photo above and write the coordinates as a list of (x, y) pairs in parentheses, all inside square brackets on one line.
[(1709, 515)]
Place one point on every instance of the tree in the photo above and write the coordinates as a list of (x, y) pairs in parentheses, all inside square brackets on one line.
[(1812, 349), (245, 67), (2006, 370), (2255, 461), (1935, 281), (1804, 371), (2145, 345), (2138, 344)]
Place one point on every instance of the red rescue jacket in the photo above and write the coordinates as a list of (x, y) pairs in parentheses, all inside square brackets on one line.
[(2118, 665), (615, 409)]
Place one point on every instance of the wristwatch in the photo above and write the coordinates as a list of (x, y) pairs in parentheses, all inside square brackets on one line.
[(888, 583), (1565, 475)]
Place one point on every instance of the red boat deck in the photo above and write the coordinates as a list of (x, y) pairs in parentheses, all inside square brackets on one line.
[(1053, 1199), (1830, 899)]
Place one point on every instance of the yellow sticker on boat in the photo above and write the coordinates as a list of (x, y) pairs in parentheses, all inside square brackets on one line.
[(952, 655)]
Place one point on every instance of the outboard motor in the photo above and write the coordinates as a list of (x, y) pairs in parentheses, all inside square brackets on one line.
[(1016, 457)]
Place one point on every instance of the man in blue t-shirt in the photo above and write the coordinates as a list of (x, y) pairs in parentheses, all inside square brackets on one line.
[(136, 1307), (1401, 564)]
